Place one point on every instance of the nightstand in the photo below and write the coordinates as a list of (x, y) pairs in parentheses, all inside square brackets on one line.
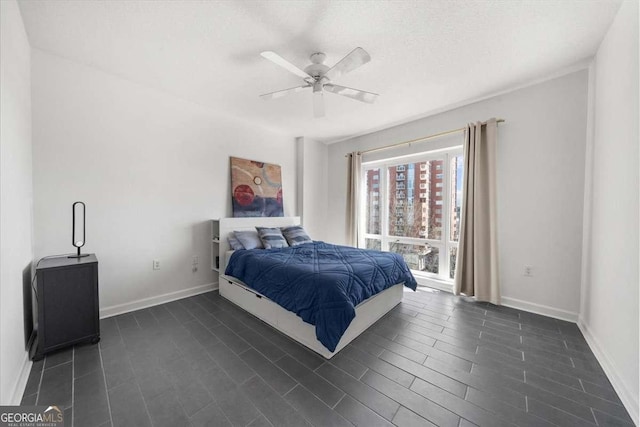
[(68, 308)]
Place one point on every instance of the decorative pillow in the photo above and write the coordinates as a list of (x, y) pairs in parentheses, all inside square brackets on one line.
[(296, 235), (234, 242), (272, 237), (249, 239)]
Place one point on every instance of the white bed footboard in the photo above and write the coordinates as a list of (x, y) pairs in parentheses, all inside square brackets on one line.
[(367, 313)]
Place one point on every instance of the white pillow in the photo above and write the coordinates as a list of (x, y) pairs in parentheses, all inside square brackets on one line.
[(249, 239)]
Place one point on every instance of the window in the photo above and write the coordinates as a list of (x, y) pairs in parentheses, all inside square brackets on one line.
[(415, 216)]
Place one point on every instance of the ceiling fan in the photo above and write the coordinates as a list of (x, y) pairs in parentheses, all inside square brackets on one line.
[(319, 77)]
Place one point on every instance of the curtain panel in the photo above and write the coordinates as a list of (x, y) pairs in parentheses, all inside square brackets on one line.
[(353, 195), (477, 264)]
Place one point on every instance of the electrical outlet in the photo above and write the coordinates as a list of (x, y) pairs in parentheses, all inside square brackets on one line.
[(528, 271), (156, 264), (195, 260)]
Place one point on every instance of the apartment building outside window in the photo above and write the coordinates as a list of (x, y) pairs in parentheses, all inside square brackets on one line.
[(417, 212)]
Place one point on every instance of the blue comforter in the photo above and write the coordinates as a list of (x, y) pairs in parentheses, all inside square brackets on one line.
[(320, 282)]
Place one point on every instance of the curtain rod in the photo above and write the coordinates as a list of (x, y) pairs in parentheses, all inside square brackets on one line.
[(424, 138)]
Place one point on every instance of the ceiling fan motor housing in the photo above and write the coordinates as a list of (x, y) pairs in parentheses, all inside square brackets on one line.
[(317, 68)]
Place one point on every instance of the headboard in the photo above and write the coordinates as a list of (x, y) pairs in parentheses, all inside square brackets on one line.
[(227, 225)]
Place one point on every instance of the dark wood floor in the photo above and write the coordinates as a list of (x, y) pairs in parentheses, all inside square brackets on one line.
[(434, 360)]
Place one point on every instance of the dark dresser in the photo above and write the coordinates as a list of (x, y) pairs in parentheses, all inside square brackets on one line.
[(68, 309)]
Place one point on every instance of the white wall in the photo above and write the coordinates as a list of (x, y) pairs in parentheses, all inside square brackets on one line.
[(312, 181), (609, 315), (16, 196), (541, 158), (151, 168)]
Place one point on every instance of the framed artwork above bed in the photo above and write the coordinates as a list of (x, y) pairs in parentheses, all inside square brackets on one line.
[(256, 188)]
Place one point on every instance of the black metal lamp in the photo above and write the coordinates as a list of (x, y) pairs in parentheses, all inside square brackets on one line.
[(78, 233)]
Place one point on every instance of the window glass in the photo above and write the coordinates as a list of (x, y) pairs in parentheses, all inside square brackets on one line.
[(418, 257), (453, 255), (456, 196), (412, 200), (373, 244), (372, 206)]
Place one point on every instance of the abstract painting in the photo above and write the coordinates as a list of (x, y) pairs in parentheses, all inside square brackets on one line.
[(256, 188)]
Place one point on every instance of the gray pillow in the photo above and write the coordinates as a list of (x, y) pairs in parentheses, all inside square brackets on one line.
[(249, 239), (234, 242), (272, 238), (296, 235)]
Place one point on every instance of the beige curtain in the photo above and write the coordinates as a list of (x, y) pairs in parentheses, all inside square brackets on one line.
[(353, 194), (477, 264)]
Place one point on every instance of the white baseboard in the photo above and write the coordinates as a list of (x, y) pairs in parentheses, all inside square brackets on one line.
[(127, 307), (21, 381), (629, 401), (531, 307), (544, 310)]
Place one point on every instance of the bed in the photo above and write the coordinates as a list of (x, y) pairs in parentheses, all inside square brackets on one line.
[(319, 294)]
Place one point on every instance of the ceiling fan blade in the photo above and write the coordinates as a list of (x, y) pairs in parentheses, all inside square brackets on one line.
[(353, 60), (279, 60), (356, 94), (281, 93), (318, 104)]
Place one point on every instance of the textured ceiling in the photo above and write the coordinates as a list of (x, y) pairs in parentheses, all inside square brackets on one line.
[(426, 55)]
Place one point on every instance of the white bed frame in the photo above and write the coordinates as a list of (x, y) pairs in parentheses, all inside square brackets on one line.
[(287, 322)]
